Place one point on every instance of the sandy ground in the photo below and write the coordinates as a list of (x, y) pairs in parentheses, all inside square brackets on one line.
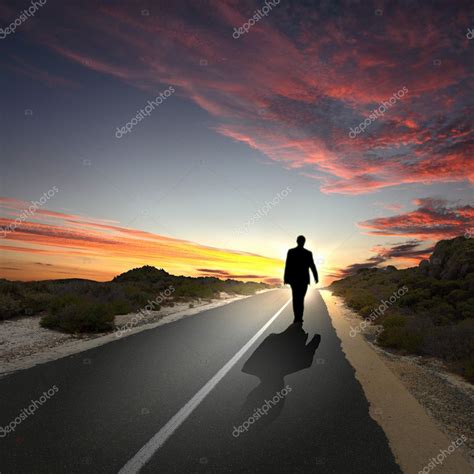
[(421, 410), (447, 398), (24, 344)]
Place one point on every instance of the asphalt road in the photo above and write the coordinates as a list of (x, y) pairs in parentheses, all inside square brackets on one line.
[(292, 393)]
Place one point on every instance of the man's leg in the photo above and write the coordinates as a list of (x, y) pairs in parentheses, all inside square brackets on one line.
[(303, 290), (299, 292), (294, 291)]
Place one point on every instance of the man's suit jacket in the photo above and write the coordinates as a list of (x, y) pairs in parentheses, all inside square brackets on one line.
[(298, 262)]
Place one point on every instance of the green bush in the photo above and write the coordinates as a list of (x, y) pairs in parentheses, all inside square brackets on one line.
[(245, 288), (436, 316), (457, 296), (439, 311), (468, 369), (394, 321), (37, 302), (414, 296), (403, 338), (405, 333), (366, 311), (451, 343), (194, 290), (75, 315), (361, 299), (465, 309), (123, 307), (69, 301), (9, 306)]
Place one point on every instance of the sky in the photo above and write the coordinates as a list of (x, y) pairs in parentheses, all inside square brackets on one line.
[(203, 137)]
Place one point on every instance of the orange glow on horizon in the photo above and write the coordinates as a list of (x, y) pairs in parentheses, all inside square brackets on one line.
[(53, 245)]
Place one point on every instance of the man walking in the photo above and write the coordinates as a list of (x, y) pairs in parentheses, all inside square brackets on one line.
[(298, 262)]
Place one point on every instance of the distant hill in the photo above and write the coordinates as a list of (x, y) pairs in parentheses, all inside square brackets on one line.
[(77, 305), (426, 310), (143, 274)]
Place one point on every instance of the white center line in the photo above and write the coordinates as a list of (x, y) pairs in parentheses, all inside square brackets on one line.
[(155, 443)]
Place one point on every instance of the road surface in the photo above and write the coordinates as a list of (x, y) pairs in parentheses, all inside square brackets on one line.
[(200, 396)]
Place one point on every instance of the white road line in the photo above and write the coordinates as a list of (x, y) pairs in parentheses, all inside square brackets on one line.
[(155, 443)]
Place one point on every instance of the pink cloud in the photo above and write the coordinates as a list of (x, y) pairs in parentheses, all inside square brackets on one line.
[(295, 84), (433, 219)]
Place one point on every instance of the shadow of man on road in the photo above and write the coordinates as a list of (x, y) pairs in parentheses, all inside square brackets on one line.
[(277, 356)]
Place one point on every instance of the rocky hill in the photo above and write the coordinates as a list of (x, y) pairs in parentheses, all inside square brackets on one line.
[(426, 310), (450, 260)]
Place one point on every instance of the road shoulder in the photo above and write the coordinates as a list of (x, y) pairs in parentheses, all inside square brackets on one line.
[(414, 438), (24, 344)]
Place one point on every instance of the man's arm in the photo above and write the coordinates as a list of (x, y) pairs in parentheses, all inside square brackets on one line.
[(287, 272), (313, 268)]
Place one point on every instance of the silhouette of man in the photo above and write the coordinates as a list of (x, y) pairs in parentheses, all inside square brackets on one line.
[(276, 357), (298, 262)]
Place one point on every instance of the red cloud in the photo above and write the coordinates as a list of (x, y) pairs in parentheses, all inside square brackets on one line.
[(17, 207), (209, 272), (295, 84), (434, 219), (410, 252), (69, 242)]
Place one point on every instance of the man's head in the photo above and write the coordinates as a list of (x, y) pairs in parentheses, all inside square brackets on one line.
[(300, 240)]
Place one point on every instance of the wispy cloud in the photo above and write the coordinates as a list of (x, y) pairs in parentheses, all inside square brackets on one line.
[(433, 219), (225, 274), (88, 248), (293, 95), (407, 253)]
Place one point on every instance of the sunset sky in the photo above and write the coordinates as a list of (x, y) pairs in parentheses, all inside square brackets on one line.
[(271, 110)]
